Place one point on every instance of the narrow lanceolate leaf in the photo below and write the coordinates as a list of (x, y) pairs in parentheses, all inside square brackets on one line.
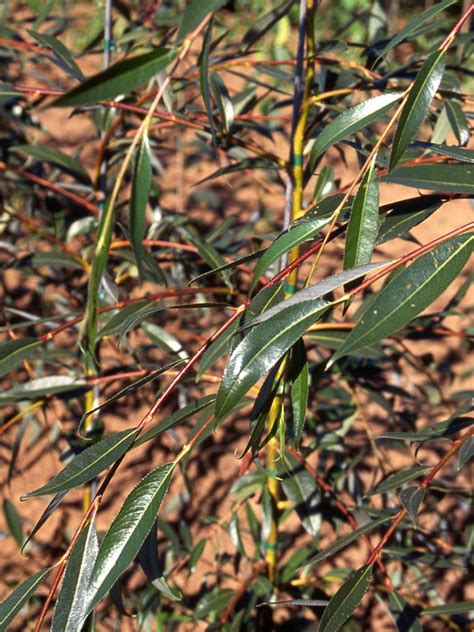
[(423, 90), (120, 78), (301, 490), (346, 600), (140, 190), (294, 237), (62, 54), (363, 223), (398, 479), (449, 608), (405, 617), (13, 352), (458, 121), (411, 498), (195, 13), (414, 24), (316, 291), (71, 603), (54, 157), (42, 386), (458, 153), (446, 178), (128, 532), (222, 100), (50, 509), (13, 521), (341, 543), (408, 293), (89, 463), (350, 121), (261, 349), (15, 602), (299, 391)]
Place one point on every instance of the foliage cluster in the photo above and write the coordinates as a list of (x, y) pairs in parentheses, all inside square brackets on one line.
[(207, 269)]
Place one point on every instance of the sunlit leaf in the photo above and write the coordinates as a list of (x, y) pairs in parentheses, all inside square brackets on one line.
[(13, 352), (60, 51), (398, 479), (194, 13), (411, 498), (13, 521), (409, 292), (423, 90), (120, 78), (89, 463), (17, 599), (139, 198), (53, 156), (299, 389), (346, 600)]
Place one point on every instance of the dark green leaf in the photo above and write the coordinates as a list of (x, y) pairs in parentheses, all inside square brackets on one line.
[(458, 153), (299, 391), (363, 223), (213, 602), (316, 291), (120, 78), (295, 236), (205, 86), (414, 24), (150, 563), (398, 222), (352, 120), (302, 491), (55, 157), (414, 111), (466, 452), (62, 54), (405, 616), (246, 163), (16, 600), (113, 325), (261, 349), (346, 600), (13, 352), (458, 122), (398, 479), (195, 13), (127, 532), (408, 293), (13, 521), (264, 24), (211, 256), (70, 606), (223, 101), (89, 463), (411, 498), (449, 178), (141, 184), (448, 608), (341, 543), (52, 506), (437, 431)]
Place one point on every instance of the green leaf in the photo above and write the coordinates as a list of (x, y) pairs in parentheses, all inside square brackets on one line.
[(302, 491), (414, 111), (120, 78), (441, 430), (466, 452), (112, 326), (13, 352), (141, 184), (403, 217), (13, 521), (205, 86), (458, 122), (17, 599), (41, 387), (195, 13), (363, 223), (448, 608), (346, 600), (246, 163), (299, 389), (89, 463), (261, 349), (213, 602), (398, 479), (294, 237), (413, 25), (446, 178), (408, 293), (264, 24), (176, 418), (405, 615), (223, 101), (128, 532), (60, 51), (70, 606), (341, 543), (50, 509), (316, 291), (352, 120), (411, 498), (458, 153), (53, 156), (211, 256)]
